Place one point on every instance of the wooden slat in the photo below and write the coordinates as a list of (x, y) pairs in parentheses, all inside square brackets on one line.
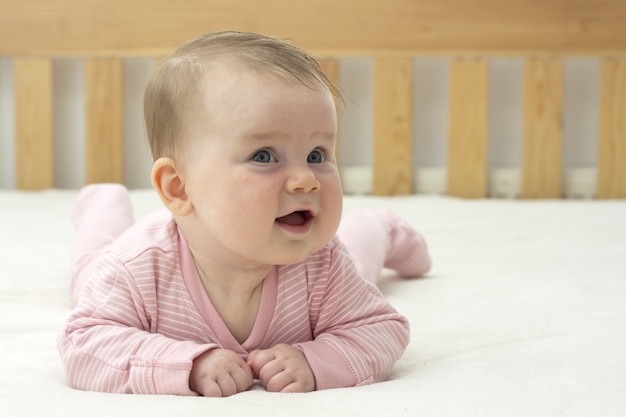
[(104, 101), (393, 101), (330, 66), (326, 26), (33, 123), (542, 129), (467, 128), (612, 136)]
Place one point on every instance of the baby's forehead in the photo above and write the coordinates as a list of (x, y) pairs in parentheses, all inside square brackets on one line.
[(232, 99), (230, 71)]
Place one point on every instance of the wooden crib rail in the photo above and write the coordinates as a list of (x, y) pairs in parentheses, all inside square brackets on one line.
[(34, 130), (393, 165), (467, 128), (347, 27), (34, 32)]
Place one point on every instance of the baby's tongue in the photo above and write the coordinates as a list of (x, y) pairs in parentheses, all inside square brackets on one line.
[(295, 218)]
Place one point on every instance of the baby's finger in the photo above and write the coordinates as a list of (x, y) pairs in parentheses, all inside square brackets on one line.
[(243, 377), (279, 381), (274, 376), (210, 388), (258, 359), (294, 386), (227, 385)]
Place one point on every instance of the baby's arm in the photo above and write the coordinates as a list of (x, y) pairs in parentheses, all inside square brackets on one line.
[(358, 335), (111, 341)]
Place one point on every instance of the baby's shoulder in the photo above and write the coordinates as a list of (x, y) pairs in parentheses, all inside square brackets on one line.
[(333, 251), (154, 236), (326, 261)]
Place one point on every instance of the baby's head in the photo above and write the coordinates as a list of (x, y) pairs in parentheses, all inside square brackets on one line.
[(242, 128), (178, 84)]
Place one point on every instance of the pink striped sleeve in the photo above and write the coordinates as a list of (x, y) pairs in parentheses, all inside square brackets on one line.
[(107, 344), (358, 335)]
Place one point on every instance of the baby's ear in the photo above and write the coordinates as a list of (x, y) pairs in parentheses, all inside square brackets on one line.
[(170, 185)]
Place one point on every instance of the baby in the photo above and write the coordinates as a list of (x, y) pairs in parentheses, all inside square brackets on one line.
[(242, 277)]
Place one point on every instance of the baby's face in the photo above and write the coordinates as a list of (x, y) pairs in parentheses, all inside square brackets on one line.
[(260, 170)]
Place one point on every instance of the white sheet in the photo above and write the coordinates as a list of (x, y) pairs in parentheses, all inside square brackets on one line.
[(524, 314)]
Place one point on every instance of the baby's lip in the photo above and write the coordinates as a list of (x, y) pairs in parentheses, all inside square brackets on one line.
[(296, 218)]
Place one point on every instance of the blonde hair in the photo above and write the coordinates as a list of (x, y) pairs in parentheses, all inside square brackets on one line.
[(174, 88)]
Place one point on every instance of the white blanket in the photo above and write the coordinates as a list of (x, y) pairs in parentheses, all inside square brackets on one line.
[(523, 314)]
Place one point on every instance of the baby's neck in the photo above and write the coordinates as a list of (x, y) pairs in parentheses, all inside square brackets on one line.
[(236, 295)]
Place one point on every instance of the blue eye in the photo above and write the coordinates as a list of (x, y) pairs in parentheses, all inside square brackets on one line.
[(263, 156), (316, 157)]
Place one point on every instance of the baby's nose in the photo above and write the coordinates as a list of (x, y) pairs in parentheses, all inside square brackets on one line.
[(303, 180)]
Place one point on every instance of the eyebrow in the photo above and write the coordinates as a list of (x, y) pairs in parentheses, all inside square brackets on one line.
[(264, 135), (253, 137)]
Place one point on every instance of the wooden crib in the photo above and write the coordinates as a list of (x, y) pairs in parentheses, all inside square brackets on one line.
[(543, 33)]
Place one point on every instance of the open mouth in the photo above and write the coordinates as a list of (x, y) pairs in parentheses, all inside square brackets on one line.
[(297, 218)]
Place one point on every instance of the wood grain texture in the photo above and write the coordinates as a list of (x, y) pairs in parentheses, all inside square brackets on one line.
[(542, 128), (104, 133), (393, 101), (612, 134), (101, 31), (467, 128), (33, 124), (330, 66), (355, 27)]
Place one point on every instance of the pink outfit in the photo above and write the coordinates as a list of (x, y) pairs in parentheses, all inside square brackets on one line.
[(143, 315)]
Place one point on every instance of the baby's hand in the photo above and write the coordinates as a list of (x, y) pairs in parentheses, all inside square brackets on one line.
[(282, 369), (219, 373)]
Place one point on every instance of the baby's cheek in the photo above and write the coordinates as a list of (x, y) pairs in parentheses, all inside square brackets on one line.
[(334, 209)]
